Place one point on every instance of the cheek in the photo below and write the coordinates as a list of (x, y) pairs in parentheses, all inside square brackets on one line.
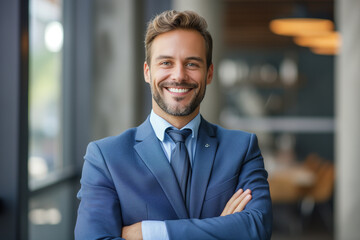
[(160, 76), (198, 78)]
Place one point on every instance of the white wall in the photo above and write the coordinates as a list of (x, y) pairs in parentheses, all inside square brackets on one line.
[(347, 201)]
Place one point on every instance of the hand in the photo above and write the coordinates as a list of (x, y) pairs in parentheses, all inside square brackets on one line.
[(237, 202), (132, 232)]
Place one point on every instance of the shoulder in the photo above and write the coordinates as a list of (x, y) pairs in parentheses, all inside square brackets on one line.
[(221, 132), (122, 139), (127, 137), (125, 140), (237, 140), (112, 147)]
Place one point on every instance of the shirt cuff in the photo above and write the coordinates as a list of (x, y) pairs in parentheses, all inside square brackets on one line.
[(154, 230)]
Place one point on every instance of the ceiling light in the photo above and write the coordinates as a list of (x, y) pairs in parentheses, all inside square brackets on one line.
[(301, 26), (325, 51), (329, 41)]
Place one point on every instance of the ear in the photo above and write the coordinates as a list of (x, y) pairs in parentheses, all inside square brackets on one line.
[(147, 72), (210, 74)]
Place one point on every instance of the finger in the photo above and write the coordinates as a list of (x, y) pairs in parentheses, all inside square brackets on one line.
[(234, 202), (232, 199), (243, 203), (237, 201)]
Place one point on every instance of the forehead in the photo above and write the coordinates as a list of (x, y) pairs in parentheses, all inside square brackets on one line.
[(179, 43)]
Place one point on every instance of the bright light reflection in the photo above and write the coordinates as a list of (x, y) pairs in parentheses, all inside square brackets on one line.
[(39, 216), (228, 72), (288, 71), (54, 36), (37, 167)]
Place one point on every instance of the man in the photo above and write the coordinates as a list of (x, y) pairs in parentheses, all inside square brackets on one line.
[(155, 182)]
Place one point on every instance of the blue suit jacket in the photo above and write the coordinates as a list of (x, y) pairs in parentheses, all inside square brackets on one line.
[(127, 179)]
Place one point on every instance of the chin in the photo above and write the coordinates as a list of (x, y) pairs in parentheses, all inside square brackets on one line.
[(180, 112)]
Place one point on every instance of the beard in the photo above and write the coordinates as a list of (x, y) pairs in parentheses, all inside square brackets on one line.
[(178, 110)]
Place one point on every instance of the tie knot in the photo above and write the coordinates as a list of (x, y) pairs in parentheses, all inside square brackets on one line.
[(178, 135)]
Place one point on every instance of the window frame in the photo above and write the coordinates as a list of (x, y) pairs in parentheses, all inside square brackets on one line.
[(15, 191)]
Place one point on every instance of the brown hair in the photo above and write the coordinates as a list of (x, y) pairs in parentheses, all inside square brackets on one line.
[(171, 20)]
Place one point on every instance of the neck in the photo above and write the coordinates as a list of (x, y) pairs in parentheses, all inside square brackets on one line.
[(176, 121)]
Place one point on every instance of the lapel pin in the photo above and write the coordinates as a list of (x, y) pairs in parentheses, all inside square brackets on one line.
[(207, 145)]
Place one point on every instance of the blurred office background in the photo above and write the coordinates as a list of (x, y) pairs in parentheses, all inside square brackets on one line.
[(71, 72)]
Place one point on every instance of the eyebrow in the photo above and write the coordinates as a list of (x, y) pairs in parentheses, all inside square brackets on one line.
[(163, 57), (199, 59)]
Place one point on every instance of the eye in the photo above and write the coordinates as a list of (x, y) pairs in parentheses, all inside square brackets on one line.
[(165, 63), (191, 64)]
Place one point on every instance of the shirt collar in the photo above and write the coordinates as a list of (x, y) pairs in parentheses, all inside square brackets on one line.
[(160, 125)]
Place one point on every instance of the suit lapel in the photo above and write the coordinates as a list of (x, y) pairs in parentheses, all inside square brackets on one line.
[(151, 153), (204, 158)]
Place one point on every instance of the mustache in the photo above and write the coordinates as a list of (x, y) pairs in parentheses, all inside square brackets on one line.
[(168, 84)]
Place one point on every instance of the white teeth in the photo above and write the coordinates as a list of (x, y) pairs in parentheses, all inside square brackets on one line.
[(178, 90)]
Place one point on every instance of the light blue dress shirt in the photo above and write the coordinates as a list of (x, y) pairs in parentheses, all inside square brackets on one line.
[(156, 230)]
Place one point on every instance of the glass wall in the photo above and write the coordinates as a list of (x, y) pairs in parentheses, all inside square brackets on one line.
[(52, 202), (45, 93)]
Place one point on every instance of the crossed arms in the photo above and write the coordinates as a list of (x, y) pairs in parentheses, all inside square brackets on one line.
[(236, 204)]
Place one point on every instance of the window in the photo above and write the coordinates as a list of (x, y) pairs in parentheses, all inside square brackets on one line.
[(45, 89), (52, 200)]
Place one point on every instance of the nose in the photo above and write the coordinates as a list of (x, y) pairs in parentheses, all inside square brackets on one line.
[(179, 73)]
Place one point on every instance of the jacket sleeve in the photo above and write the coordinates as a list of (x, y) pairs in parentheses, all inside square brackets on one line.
[(254, 222), (99, 215)]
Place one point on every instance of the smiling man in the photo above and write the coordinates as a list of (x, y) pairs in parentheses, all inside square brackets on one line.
[(176, 176), (178, 79)]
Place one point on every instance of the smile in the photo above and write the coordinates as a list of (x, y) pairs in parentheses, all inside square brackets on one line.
[(178, 90)]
